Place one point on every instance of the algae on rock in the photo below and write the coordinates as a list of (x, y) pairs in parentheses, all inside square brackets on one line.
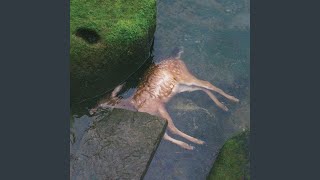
[(233, 159), (109, 40)]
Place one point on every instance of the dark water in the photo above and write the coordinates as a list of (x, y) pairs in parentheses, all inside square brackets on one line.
[(216, 40)]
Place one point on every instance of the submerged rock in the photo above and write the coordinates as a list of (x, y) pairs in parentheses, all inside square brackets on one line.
[(109, 40), (233, 160), (119, 145)]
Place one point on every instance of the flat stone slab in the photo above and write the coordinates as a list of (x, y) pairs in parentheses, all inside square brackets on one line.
[(116, 145)]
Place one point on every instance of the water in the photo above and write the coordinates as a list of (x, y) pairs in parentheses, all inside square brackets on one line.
[(216, 40)]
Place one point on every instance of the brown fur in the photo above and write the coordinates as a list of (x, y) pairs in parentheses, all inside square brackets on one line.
[(161, 82)]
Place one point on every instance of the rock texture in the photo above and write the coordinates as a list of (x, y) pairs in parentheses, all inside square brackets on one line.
[(119, 145)]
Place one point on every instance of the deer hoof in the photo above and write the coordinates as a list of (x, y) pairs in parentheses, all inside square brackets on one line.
[(188, 147), (234, 99), (198, 141)]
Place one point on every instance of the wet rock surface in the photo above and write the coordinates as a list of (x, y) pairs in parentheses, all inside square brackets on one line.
[(114, 145)]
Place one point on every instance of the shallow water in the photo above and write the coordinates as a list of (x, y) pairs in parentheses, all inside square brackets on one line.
[(216, 41)]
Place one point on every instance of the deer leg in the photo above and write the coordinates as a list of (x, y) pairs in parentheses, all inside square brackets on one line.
[(164, 114), (215, 100), (177, 142), (116, 90), (184, 88), (193, 81)]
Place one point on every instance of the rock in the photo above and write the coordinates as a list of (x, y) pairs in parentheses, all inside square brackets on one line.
[(233, 159), (109, 40), (119, 145)]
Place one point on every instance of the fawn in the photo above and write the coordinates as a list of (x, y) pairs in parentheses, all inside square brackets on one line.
[(161, 82)]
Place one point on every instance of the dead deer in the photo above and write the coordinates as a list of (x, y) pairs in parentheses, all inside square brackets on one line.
[(161, 82)]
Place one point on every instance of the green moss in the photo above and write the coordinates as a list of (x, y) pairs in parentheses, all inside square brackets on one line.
[(114, 20), (232, 162), (119, 41)]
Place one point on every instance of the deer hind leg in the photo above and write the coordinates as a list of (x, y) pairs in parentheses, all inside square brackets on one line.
[(190, 80), (215, 99), (164, 114), (183, 88)]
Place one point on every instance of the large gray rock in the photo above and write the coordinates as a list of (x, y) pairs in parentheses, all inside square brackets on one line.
[(119, 145)]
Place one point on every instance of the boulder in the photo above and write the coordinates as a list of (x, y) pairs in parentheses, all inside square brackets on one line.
[(233, 160), (117, 145), (109, 40)]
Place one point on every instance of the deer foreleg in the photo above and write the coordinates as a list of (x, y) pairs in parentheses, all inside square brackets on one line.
[(177, 142), (164, 114), (116, 90)]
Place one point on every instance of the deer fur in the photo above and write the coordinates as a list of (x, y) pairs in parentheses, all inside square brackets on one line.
[(161, 82)]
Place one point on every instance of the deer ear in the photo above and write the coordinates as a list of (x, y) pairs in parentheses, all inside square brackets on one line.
[(176, 53)]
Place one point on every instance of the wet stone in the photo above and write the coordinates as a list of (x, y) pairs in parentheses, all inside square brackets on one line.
[(116, 145)]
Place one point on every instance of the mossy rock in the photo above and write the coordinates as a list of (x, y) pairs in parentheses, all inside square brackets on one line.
[(233, 162), (109, 40)]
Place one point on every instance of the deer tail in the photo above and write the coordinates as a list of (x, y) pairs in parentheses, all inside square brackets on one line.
[(176, 53)]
